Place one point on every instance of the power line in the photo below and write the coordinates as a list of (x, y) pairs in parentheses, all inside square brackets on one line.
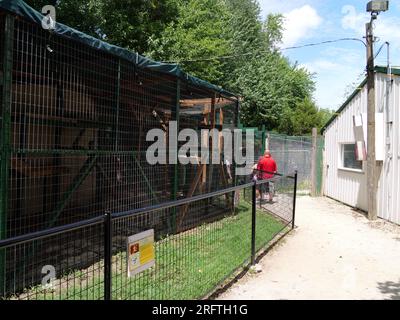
[(267, 51), (324, 42), (380, 49)]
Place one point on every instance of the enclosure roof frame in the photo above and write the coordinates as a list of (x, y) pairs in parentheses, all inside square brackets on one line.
[(20, 8)]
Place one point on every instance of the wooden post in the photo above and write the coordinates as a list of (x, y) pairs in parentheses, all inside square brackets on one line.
[(324, 170), (372, 186), (314, 163), (211, 145)]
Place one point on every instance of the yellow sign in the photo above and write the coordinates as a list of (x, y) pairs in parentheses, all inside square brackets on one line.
[(140, 252)]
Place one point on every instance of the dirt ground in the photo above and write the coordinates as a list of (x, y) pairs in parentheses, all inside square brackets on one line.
[(334, 253)]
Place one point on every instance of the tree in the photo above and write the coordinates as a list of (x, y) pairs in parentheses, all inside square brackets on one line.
[(304, 117), (131, 23), (212, 29), (271, 86), (325, 115), (197, 34), (222, 41), (272, 90), (273, 27), (244, 32), (126, 23), (85, 16)]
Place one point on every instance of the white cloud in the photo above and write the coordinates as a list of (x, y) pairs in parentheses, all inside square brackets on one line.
[(299, 23), (335, 73), (322, 65), (386, 28), (345, 56), (283, 6), (353, 20), (333, 86)]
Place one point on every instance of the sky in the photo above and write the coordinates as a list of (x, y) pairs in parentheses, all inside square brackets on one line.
[(338, 67)]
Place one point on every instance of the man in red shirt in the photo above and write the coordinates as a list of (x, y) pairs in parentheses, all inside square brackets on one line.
[(267, 168)]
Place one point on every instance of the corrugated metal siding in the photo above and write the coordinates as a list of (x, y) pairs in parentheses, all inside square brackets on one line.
[(345, 186), (351, 187), (389, 183)]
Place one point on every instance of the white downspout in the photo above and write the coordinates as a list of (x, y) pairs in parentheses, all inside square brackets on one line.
[(389, 136)]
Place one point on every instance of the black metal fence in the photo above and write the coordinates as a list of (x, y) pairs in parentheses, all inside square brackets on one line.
[(189, 264)]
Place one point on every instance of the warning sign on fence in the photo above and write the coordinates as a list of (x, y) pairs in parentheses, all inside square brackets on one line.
[(140, 252)]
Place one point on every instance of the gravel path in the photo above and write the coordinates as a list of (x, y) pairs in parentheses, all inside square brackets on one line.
[(334, 253)]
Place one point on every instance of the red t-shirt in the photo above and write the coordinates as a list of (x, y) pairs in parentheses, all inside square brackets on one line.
[(267, 163)]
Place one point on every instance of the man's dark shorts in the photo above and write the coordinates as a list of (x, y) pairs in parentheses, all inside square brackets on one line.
[(264, 188)]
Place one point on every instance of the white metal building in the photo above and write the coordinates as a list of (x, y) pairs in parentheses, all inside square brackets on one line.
[(346, 147)]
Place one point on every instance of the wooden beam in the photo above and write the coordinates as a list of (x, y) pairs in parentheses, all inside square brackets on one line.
[(313, 162), (192, 189)]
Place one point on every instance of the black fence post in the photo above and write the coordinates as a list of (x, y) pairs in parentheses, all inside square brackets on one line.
[(253, 225), (294, 198), (107, 255)]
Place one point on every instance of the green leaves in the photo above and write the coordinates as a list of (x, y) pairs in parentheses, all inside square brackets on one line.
[(126, 23), (130, 23), (199, 34)]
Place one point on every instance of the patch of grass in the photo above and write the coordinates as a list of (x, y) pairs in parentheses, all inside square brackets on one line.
[(188, 265)]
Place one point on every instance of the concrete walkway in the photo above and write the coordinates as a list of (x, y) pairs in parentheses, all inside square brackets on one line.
[(334, 253)]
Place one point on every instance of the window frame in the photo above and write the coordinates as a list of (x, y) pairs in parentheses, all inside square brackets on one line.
[(341, 159)]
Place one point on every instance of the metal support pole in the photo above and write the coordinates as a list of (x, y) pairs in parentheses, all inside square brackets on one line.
[(233, 164), (294, 199), (176, 168), (107, 255), (5, 136), (117, 107), (253, 225)]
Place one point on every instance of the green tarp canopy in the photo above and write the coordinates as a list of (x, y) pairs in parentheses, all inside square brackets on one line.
[(20, 8)]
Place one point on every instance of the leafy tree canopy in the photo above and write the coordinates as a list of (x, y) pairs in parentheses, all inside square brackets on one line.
[(126, 23), (223, 41)]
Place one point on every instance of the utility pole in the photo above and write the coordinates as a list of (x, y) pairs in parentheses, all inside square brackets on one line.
[(371, 161), (375, 7)]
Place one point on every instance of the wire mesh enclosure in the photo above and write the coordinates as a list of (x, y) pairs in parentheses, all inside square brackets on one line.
[(76, 182), (192, 264), (79, 119), (188, 265), (75, 258), (291, 153), (74, 121)]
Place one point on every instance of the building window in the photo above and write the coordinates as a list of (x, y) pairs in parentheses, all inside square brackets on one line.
[(349, 160)]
